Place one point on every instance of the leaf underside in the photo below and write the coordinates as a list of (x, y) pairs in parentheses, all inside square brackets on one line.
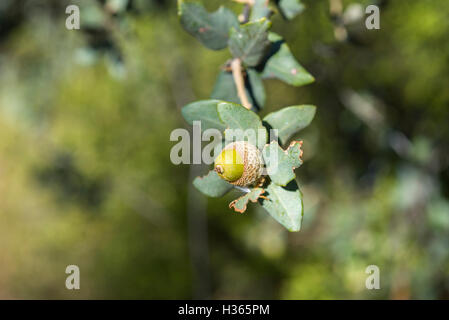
[(204, 111), (250, 42), (242, 124)]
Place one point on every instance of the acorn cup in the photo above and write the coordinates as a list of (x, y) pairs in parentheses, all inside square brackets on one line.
[(240, 163)]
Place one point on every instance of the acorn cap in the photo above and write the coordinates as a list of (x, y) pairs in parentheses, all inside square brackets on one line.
[(240, 163)]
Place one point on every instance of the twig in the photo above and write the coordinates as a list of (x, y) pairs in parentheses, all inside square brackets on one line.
[(236, 66), (244, 17)]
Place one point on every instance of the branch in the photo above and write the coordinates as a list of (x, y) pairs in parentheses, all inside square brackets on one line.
[(236, 66)]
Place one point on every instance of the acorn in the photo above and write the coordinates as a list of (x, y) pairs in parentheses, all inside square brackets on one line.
[(240, 163)]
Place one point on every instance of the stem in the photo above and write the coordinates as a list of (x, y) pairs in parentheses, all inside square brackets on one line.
[(244, 17), (236, 66), (196, 206)]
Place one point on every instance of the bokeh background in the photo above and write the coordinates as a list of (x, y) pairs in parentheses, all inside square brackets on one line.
[(86, 177)]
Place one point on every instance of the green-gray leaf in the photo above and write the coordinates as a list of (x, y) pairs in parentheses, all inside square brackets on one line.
[(226, 90), (212, 185), (290, 8), (285, 205), (281, 164), (250, 42), (260, 10), (211, 29), (204, 111), (242, 124), (283, 65), (290, 120)]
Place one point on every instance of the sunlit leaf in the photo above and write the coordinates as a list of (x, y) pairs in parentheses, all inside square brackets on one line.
[(290, 120), (204, 111), (211, 29), (284, 204), (242, 124), (250, 42), (281, 163), (283, 65)]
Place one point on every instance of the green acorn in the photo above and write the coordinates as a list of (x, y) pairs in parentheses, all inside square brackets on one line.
[(240, 163)]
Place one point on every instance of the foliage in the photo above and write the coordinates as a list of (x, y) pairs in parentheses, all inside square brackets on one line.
[(260, 54)]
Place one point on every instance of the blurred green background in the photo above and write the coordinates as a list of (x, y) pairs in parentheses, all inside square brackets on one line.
[(86, 177)]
